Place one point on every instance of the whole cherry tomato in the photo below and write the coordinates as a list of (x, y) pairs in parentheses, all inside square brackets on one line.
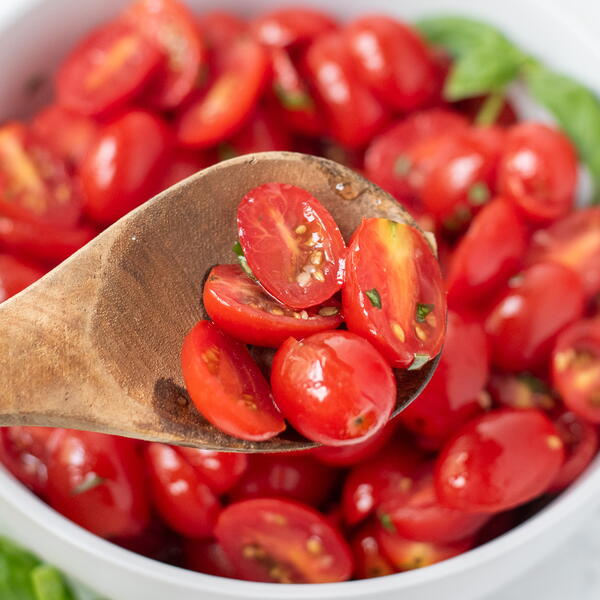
[(220, 28), (121, 169), (227, 386), (525, 321), (283, 542), (96, 480), (498, 461), (538, 172), (16, 275), (393, 294), (333, 387), (369, 561), (262, 133), (182, 164), (207, 556)]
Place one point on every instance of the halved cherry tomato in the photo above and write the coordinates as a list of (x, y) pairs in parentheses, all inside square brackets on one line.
[(106, 70), (25, 451), (222, 109), (293, 476), (352, 112), (291, 26), (490, 252), (180, 166), (220, 470), (283, 542), (220, 28), (498, 461), (576, 368), (121, 169), (97, 481), (521, 391), (538, 172), (580, 439), (525, 321), (68, 134), (386, 160), (573, 242), (181, 496), (170, 26), (262, 133), (393, 61), (456, 390), (393, 294), (241, 308), (207, 556), (15, 276), (292, 244), (368, 558), (333, 387), (34, 182), (227, 386)]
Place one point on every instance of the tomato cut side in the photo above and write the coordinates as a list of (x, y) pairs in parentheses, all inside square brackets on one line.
[(227, 386), (282, 541), (292, 244)]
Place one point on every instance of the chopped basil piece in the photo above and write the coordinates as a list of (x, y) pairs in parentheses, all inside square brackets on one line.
[(419, 361), (89, 483), (423, 310), (374, 297), (239, 252), (402, 166), (479, 193), (386, 523), (297, 100), (237, 249), (535, 384)]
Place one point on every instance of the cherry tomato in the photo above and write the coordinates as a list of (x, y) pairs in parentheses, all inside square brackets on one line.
[(386, 160), (521, 391), (498, 461), (352, 112), (333, 387), (34, 182), (220, 470), (241, 308), (181, 166), (393, 61), (498, 525), (220, 28), (262, 133), (576, 368), (121, 169), (292, 244), (368, 558), (291, 26), (227, 386), (456, 390), (292, 476), (222, 109), (183, 499), (393, 294), (207, 556), (575, 243), (106, 70), (283, 542), (25, 451), (15, 276), (487, 255), (170, 26), (580, 439), (96, 480), (538, 172), (525, 321), (68, 134)]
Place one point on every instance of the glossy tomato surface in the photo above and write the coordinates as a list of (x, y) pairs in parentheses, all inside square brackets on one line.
[(369, 560), (207, 556)]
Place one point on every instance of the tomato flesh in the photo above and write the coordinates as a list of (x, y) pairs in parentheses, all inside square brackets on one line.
[(368, 557), (207, 556)]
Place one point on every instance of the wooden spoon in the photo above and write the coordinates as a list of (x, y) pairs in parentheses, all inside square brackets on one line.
[(95, 344)]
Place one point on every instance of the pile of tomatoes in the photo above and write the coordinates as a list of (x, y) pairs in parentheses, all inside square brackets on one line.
[(510, 416)]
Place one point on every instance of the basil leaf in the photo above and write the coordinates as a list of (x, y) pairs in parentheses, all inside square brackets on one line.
[(374, 297), (48, 584), (387, 523), (422, 311), (293, 100), (239, 252), (15, 569), (575, 108), (89, 483), (419, 361)]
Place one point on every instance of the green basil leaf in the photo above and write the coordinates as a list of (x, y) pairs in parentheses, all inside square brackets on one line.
[(239, 252), (89, 483), (48, 584), (374, 297), (419, 361), (293, 100), (387, 523), (16, 565)]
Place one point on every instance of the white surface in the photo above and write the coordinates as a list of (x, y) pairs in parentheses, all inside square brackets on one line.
[(571, 572)]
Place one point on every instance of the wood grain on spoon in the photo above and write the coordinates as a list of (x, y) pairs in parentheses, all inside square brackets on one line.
[(95, 344)]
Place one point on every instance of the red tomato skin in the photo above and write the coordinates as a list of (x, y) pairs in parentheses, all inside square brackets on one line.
[(379, 247), (498, 461), (181, 166), (538, 172), (576, 368), (117, 506), (122, 169), (207, 556), (279, 260), (352, 112), (227, 386), (574, 242), (524, 323), (183, 499), (220, 28), (257, 326), (455, 393), (262, 133), (489, 253), (333, 387), (393, 61), (15, 276), (368, 558), (86, 86), (282, 529), (296, 477)]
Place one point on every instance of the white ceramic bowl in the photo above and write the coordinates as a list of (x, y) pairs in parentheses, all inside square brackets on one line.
[(31, 45)]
